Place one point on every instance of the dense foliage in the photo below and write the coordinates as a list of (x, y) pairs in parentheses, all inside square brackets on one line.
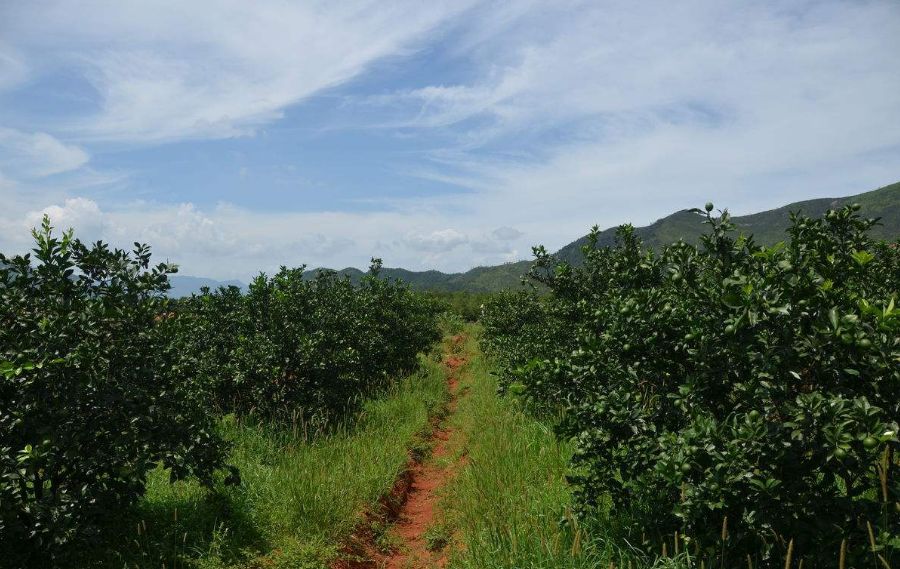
[(88, 401), (299, 348), (466, 305), (102, 378), (745, 397)]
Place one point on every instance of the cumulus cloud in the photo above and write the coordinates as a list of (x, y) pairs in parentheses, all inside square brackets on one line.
[(227, 241), (439, 241), (79, 214)]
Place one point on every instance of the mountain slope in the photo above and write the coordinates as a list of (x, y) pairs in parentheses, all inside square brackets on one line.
[(479, 279), (767, 227)]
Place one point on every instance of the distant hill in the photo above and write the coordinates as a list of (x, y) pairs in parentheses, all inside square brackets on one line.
[(768, 227), (479, 279)]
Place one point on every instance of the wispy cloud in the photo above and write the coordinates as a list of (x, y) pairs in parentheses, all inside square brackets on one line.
[(174, 70), (37, 154)]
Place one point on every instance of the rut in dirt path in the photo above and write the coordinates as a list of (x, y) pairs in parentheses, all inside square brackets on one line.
[(416, 515)]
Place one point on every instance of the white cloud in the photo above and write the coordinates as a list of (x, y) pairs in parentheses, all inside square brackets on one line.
[(606, 113), (226, 241), (80, 214), (202, 69), (593, 61), (506, 233), (439, 241), (37, 154)]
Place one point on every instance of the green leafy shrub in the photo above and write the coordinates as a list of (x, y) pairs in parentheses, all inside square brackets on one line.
[(742, 396), (521, 330), (468, 305), (296, 349), (90, 400)]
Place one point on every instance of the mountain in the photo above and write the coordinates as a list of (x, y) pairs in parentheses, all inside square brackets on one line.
[(768, 227), (479, 279)]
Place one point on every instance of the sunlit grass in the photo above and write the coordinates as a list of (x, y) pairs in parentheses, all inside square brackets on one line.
[(300, 497), (511, 505)]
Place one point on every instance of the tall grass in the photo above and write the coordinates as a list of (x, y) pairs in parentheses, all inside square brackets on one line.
[(300, 495), (510, 504), (508, 501)]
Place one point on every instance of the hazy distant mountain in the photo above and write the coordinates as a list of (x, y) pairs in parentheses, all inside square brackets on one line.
[(479, 279), (768, 227)]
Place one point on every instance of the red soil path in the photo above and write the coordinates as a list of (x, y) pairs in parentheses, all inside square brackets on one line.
[(417, 514), (413, 499)]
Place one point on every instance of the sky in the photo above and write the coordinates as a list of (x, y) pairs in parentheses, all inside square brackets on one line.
[(235, 137)]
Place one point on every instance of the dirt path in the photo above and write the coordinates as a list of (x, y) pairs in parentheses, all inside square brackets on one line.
[(411, 506), (417, 513)]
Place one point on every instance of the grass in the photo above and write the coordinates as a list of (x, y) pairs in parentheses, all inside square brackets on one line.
[(507, 503), (511, 505), (299, 497)]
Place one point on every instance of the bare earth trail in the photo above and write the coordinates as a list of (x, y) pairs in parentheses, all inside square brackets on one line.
[(428, 476), (416, 494)]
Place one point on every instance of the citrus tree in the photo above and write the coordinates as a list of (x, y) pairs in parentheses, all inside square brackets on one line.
[(89, 398), (743, 397)]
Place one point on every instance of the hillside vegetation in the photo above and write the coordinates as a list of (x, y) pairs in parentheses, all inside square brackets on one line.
[(767, 227)]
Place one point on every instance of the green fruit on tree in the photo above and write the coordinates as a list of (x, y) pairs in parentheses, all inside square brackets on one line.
[(870, 443), (685, 468), (754, 415), (840, 454)]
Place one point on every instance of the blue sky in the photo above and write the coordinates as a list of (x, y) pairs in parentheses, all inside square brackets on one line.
[(235, 137)]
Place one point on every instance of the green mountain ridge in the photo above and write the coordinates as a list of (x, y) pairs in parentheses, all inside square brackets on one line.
[(768, 227)]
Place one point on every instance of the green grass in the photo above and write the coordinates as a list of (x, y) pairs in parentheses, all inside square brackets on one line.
[(511, 506), (299, 497), (507, 503)]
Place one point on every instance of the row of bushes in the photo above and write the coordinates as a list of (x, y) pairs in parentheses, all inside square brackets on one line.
[(308, 348), (102, 378), (739, 398)]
